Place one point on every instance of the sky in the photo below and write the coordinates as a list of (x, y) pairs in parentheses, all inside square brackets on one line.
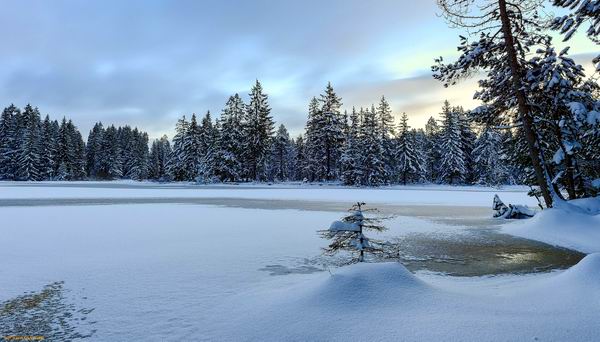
[(146, 63)]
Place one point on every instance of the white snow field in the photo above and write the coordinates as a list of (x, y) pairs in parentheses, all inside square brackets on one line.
[(425, 194), (198, 272)]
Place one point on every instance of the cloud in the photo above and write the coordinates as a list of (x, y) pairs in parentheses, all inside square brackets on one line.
[(146, 62)]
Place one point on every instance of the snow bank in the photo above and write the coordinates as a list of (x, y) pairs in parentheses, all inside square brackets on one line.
[(563, 227), (385, 302), (585, 273)]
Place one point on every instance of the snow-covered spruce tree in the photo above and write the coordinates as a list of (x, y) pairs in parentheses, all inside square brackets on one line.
[(191, 150), (139, 168), (351, 172), (299, 159), (155, 165), (108, 157), (506, 32), (386, 122), (333, 131), (314, 168), (48, 147), (92, 149), (348, 234), (28, 155), (209, 138), (159, 156), (70, 156), (324, 136), (8, 141), (567, 109), (420, 144), (230, 144), (452, 163), (371, 161), (490, 167), (281, 155), (258, 133), (467, 140), (433, 153), (408, 168), (125, 141), (175, 163)]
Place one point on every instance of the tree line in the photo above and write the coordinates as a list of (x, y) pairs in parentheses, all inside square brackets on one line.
[(538, 125), (362, 148)]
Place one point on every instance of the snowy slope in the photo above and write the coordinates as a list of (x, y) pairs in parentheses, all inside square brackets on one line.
[(385, 302), (566, 227)]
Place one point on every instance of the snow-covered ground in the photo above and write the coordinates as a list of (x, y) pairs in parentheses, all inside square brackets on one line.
[(575, 227), (385, 302), (180, 271)]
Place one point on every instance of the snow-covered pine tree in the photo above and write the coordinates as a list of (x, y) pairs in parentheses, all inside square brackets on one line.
[(70, 152), (28, 155), (299, 159), (282, 155), (258, 133), (408, 168), (565, 101), (9, 141), (92, 149), (468, 138), (155, 165), (420, 146), (126, 143), (192, 151), (48, 148), (351, 156), (433, 153), (139, 165), (230, 144), (332, 131), (386, 123), (506, 32), (108, 157), (372, 164), (78, 155), (348, 234), (314, 168), (209, 137), (452, 164), (175, 164), (157, 161), (490, 167)]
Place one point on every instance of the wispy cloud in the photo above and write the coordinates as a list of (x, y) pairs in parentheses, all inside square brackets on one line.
[(147, 62)]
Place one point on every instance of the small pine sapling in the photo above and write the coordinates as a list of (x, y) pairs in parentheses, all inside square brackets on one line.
[(347, 234)]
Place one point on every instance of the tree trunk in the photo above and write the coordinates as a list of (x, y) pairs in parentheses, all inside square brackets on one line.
[(534, 151)]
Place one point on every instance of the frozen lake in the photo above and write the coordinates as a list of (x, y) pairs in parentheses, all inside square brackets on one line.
[(172, 254)]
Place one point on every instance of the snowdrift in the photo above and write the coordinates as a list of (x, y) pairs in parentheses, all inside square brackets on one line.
[(575, 226), (385, 302)]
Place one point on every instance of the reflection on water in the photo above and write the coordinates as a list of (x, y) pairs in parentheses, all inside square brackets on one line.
[(45, 315), (477, 249), (284, 270), (482, 253)]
